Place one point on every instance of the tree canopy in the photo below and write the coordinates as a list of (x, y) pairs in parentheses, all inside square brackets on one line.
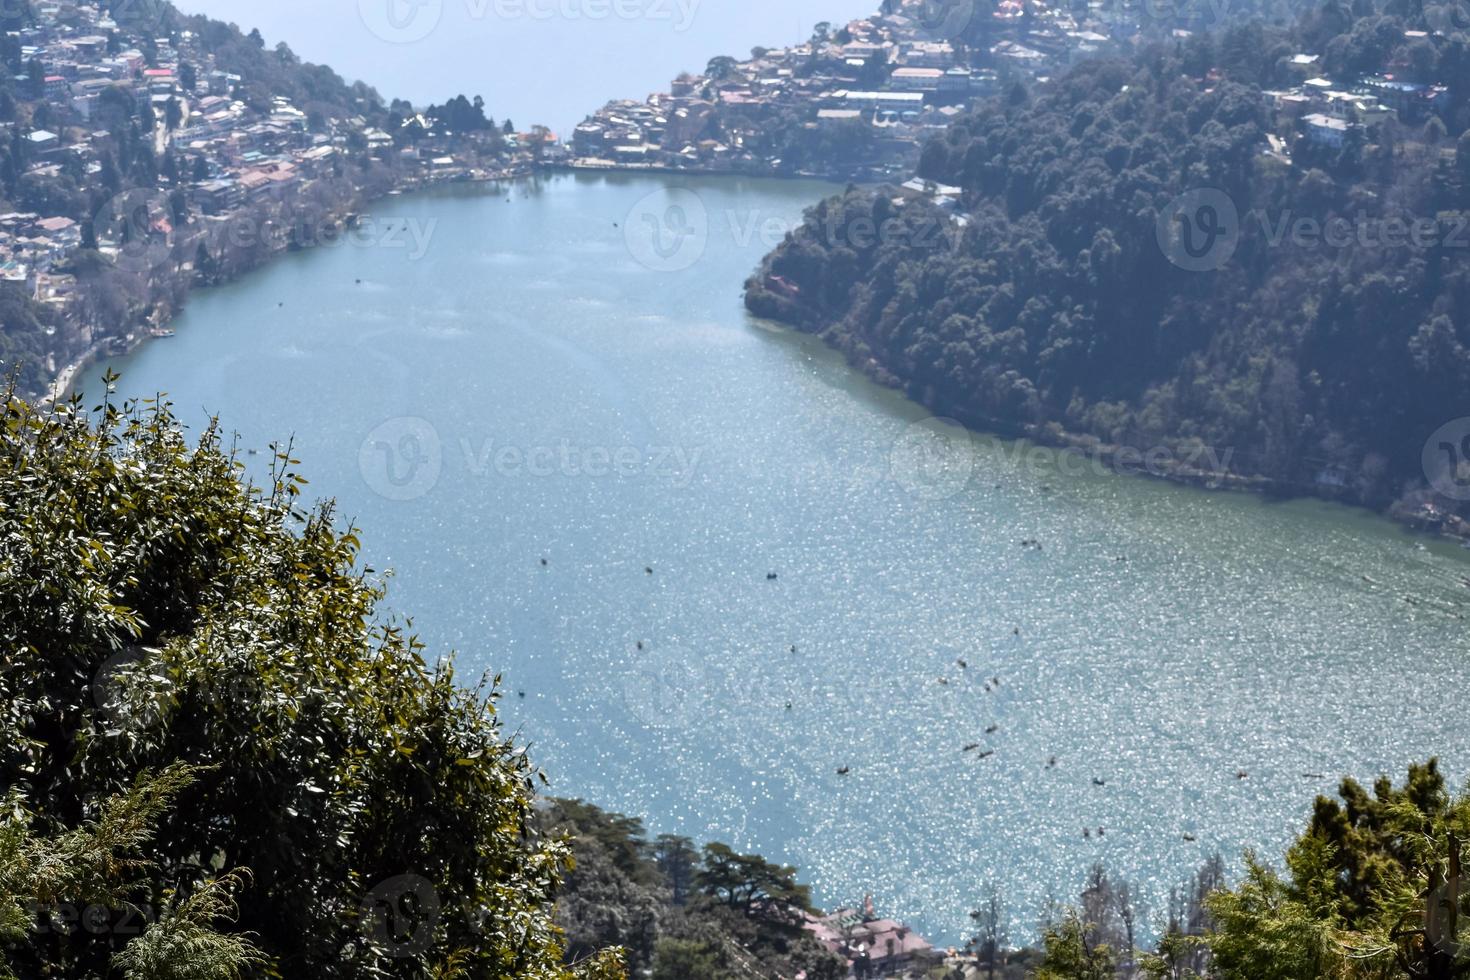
[(1373, 889), (1316, 361), (346, 808)]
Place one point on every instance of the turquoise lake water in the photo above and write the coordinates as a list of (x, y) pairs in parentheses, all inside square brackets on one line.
[(533, 380)]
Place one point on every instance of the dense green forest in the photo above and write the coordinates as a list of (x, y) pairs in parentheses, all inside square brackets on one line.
[(1314, 361), (677, 911)]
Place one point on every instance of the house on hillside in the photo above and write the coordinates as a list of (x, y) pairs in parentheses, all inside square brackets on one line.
[(1325, 130), (873, 947)]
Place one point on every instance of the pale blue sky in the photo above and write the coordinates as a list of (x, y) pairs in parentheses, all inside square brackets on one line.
[(548, 61)]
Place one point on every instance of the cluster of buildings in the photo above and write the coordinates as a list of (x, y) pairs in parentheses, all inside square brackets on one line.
[(889, 82), (894, 78), (874, 947), (889, 77), (1325, 112), (228, 155)]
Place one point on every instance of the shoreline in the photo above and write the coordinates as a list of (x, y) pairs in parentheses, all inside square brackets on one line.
[(60, 385), (65, 377), (1125, 460), (585, 165), (1119, 459)]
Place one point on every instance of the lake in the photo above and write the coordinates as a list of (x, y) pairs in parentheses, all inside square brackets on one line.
[(489, 379)]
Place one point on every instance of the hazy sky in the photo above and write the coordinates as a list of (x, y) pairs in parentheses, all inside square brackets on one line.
[(550, 61)]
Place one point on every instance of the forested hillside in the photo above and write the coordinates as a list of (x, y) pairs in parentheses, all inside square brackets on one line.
[(679, 911), (1320, 344)]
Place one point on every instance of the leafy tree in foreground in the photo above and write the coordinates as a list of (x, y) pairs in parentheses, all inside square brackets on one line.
[(1074, 953), (364, 810), (1373, 889)]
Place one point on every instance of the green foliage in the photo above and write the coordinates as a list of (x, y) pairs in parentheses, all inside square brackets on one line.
[(747, 882), (24, 344), (1373, 889), (1073, 952), (1055, 308), (614, 893), (183, 945), (1175, 958), (155, 611), (666, 905), (677, 959), (85, 877)]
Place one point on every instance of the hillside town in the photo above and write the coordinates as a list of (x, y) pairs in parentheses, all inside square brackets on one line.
[(854, 103), (857, 102), (860, 102), (207, 171)]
